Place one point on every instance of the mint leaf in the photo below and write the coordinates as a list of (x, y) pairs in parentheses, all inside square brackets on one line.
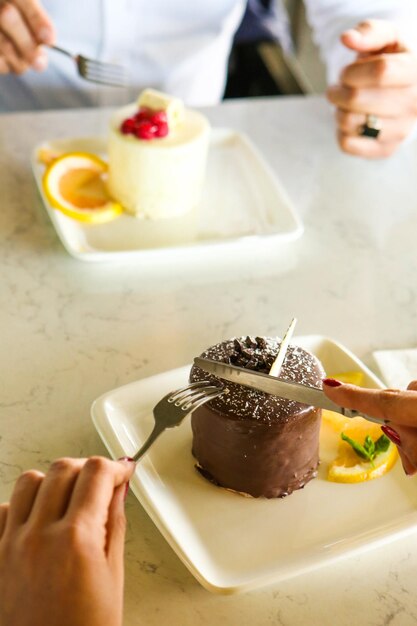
[(369, 447), (359, 448), (381, 444)]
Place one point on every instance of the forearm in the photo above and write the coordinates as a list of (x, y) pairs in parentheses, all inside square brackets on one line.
[(329, 18)]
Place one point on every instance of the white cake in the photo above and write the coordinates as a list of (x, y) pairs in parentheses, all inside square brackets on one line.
[(161, 176)]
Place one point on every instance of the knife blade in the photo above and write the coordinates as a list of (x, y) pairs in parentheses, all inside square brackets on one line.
[(311, 396)]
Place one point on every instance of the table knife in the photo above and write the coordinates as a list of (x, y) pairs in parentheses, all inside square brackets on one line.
[(311, 396)]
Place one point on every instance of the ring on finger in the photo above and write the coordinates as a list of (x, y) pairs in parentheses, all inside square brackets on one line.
[(372, 127)]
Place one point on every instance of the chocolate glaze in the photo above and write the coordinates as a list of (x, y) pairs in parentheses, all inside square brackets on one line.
[(250, 441)]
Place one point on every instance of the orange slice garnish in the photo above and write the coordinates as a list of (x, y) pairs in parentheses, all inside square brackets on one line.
[(346, 465), (349, 467), (75, 184)]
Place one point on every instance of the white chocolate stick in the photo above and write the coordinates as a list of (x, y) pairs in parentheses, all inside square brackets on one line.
[(277, 364)]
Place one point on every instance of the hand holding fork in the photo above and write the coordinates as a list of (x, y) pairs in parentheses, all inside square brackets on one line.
[(25, 28), (175, 406)]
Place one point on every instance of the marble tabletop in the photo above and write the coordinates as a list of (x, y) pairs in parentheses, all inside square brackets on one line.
[(73, 330)]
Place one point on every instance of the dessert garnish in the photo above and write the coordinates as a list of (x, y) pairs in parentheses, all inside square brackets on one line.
[(248, 353), (370, 448), (352, 377), (46, 155), (146, 124), (282, 352), (363, 454), (158, 114), (75, 184), (363, 451)]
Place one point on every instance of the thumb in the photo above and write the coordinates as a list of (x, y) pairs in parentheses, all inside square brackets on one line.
[(371, 36)]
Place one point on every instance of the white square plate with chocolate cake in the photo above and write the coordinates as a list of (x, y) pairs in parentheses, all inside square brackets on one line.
[(233, 543)]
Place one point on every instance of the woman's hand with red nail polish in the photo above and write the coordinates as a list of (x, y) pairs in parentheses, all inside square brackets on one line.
[(398, 407), (61, 545), (391, 434), (331, 382)]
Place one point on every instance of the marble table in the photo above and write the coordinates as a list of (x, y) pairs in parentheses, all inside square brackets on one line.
[(72, 330)]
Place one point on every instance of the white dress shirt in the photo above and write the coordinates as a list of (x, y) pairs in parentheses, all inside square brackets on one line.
[(178, 46)]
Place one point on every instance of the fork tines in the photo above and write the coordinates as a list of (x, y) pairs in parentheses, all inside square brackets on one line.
[(104, 73), (194, 395)]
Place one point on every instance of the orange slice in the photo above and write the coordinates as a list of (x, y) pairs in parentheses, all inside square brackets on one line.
[(348, 466), (335, 421), (352, 378), (46, 155), (75, 184)]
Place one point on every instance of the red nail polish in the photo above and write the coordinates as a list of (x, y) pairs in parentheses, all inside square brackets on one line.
[(126, 458), (391, 434), (331, 382)]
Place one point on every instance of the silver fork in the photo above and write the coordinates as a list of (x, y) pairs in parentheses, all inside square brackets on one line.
[(96, 71), (175, 406)]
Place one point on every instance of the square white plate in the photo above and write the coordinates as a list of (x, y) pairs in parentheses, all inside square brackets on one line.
[(243, 202), (232, 543)]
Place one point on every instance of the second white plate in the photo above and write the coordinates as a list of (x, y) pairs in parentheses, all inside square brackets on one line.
[(231, 543), (243, 202)]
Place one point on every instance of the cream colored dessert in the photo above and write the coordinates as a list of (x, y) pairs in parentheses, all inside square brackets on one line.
[(160, 173)]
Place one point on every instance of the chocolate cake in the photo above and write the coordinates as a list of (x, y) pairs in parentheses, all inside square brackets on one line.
[(250, 441)]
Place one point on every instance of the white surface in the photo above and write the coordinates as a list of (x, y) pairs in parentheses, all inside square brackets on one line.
[(231, 543), (73, 330), (398, 367), (243, 203)]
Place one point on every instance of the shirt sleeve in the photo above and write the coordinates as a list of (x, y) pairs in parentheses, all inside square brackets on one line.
[(329, 18)]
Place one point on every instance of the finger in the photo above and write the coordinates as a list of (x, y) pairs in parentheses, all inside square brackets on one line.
[(38, 20), (55, 491), (392, 130), (408, 467), (40, 61), (4, 508), (95, 485), (14, 27), (16, 66), (371, 35), (391, 405), (366, 147), (116, 530), (405, 438), (10, 56), (389, 102), (383, 70), (23, 497), (4, 68)]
